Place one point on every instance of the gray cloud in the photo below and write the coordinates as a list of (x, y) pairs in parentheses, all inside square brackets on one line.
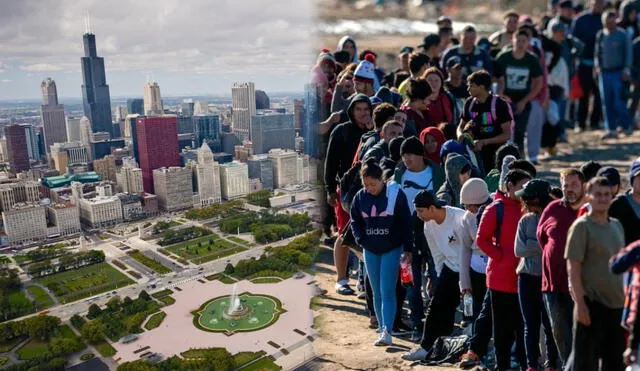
[(152, 36)]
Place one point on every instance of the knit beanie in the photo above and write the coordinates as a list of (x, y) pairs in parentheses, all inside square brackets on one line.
[(505, 169), (412, 146), (634, 170), (325, 56), (365, 72), (474, 192), (612, 175)]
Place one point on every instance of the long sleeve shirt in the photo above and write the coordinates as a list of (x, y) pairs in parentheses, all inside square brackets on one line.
[(527, 247), (471, 257), (614, 51), (585, 28)]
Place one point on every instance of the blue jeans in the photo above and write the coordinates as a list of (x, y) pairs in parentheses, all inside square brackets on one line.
[(533, 314), (615, 108), (559, 307), (382, 270)]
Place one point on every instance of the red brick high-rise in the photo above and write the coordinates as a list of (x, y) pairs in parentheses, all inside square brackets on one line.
[(157, 143), (17, 148)]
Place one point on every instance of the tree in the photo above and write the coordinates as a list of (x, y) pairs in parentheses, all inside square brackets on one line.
[(229, 269), (139, 365), (126, 302), (41, 327), (94, 311), (209, 248), (93, 331), (114, 304), (144, 295)]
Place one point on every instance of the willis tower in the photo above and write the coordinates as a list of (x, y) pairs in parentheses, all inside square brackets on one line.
[(95, 91)]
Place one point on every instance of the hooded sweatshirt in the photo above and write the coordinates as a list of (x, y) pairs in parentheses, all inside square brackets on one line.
[(501, 270), (438, 135), (343, 143), (341, 47), (450, 190)]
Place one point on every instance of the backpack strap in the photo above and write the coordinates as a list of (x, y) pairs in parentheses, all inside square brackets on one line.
[(494, 98), (499, 219)]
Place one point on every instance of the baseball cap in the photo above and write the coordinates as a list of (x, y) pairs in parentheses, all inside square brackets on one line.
[(534, 188), (556, 25), (429, 41), (612, 175), (406, 49), (566, 4), (443, 19), (426, 198), (454, 62)]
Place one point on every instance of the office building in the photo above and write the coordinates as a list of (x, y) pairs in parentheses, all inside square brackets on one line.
[(312, 117), (106, 167), (260, 167), (157, 146), (272, 130), (208, 177), (31, 134), (69, 155), (222, 157), (52, 114), (185, 125), (229, 142), (285, 167), (24, 223), (14, 193), (101, 211), (152, 99), (298, 113), (73, 129), (65, 217), (243, 152), (129, 180), (173, 187), (121, 113), (262, 100), (135, 106), (95, 91), (207, 129), (185, 141), (201, 107), (4, 152), (244, 107), (101, 147), (187, 107), (131, 207), (307, 170), (18, 152), (234, 180)]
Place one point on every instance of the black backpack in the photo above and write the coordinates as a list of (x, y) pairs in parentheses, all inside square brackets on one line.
[(350, 184), (499, 218)]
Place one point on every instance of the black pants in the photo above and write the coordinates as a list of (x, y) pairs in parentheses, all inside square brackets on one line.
[(520, 128), (534, 314), (442, 308), (507, 328), (602, 340), (401, 292), (478, 291), (589, 86), (488, 158), (482, 327)]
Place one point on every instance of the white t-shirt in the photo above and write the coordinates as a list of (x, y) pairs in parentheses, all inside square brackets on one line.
[(412, 183), (445, 240)]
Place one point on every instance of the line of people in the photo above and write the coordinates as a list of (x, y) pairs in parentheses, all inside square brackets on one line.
[(428, 183)]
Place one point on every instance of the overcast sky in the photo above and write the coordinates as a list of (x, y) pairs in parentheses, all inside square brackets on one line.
[(188, 46)]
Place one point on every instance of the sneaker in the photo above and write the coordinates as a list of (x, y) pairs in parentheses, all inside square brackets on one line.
[(384, 339), (469, 359), (344, 289), (609, 135), (577, 130), (417, 354), (361, 295), (416, 334)]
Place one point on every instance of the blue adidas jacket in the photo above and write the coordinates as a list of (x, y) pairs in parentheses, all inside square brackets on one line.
[(381, 223)]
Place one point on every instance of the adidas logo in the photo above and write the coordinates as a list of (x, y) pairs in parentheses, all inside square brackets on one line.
[(377, 231)]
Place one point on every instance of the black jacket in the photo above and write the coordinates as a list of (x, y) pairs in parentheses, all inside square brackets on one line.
[(623, 211), (343, 144)]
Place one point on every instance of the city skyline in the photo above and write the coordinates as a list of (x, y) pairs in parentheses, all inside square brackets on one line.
[(197, 50)]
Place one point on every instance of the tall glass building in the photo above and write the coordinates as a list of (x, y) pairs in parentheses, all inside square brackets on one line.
[(95, 91)]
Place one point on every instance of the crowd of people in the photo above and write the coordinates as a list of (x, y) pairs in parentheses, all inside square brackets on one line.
[(431, 181)]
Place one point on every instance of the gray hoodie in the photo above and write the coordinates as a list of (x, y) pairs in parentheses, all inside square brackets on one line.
[(450, 190), (527, 247)]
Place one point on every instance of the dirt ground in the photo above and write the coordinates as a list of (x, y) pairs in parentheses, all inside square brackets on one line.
[(346, 342)]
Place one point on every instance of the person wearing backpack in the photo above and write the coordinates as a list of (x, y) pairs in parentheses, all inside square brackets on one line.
[(502, 280), (380, 225), (487, 117)]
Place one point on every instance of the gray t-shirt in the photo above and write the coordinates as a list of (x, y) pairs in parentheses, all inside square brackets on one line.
[(593, 245)]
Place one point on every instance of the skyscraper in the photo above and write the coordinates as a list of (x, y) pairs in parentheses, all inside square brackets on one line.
[(207, 129), (173, 187), (208, 177), (234, 180), (95, 91), (298, 113), (244, 106), (157, 146), (18, 152), (312, 117), (285, 167), (31, 134), (52, 114), (187, 107), (262, 100), (272, 130), (135, 106), (73, 129), (260, 167), (152, 99)]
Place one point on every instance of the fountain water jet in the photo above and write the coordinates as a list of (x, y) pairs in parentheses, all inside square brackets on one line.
[(236, 309)]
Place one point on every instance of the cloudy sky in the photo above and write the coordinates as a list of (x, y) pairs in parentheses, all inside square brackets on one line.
[(188, 46)]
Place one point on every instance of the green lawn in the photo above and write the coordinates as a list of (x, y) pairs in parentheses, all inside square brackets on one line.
[(266, 280), (240, 241), (265, 364), (32, 350), (103, 237), (66, 332), (167, 300), (7, 346), (43, 300), (3, 360), (152, 264), (84, 282), (17, 299), (227, 280), (211, 247), (21, 259), (162, 294), (243, 358), (105, 349), (155, 320)]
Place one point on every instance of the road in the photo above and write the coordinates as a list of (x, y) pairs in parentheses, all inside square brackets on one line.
[(66, 311)]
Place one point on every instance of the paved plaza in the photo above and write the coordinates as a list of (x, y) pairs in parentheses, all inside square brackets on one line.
[(177, 332)]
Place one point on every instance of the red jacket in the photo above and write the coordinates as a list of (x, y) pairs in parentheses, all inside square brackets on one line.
[(501, 270)]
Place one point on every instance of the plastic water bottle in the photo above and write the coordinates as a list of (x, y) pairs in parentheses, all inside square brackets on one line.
[(406, 274), (468, 305)]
